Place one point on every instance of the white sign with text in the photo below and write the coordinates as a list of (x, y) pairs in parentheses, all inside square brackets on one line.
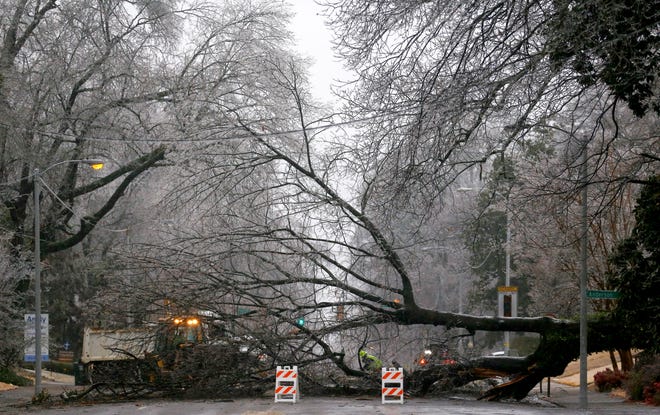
[(30, 331)]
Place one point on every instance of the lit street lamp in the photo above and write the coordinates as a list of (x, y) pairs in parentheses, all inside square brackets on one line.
[(36, 177)]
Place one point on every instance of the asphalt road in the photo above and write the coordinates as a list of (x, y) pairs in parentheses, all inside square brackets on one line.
[(337, 406), (563, 402)]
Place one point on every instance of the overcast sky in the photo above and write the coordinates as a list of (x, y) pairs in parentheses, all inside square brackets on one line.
[(314, 41)]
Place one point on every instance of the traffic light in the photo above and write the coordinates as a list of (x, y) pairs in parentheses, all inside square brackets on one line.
[(300, 321)]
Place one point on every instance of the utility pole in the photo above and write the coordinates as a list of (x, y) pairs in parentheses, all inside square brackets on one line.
[(36, 177), (507, 273), (583, 285), (37, 284)]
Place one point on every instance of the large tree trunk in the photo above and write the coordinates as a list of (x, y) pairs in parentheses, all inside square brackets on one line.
[(559, 345)]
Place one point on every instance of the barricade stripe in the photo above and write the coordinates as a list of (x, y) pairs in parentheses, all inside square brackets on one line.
[(392, 391), (394, 375)]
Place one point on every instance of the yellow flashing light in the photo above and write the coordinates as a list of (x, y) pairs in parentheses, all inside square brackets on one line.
[(192, 322)]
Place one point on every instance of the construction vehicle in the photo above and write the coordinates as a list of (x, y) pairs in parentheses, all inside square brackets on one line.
[(173, 356), (138, 355)]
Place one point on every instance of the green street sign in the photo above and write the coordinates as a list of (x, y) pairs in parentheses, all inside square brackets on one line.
[(603, 294)]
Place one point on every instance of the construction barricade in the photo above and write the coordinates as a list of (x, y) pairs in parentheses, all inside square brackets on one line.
[(392, 385), (286, 384)]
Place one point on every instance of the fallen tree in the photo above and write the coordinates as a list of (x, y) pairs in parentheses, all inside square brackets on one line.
[(559, 345)]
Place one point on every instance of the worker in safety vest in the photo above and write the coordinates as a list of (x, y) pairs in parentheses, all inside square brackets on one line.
[(370, 362)]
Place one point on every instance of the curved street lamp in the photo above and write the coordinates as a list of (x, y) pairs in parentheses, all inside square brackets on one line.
[(36, 177)]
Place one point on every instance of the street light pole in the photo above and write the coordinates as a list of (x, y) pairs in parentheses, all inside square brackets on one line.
[(507, 272), (583, 286), (37, 284), (36, 177)]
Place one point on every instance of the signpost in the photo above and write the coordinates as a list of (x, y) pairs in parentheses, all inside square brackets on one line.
[(603, 294)]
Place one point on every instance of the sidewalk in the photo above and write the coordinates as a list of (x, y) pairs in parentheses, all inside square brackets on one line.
[(13, 397), (568, 396), (565, 390)]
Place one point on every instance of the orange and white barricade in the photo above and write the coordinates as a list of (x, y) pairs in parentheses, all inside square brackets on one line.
[(286, 384), (392, 382)]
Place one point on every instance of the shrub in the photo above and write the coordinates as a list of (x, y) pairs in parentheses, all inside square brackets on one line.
[(8, 376), (652, 394), (608, 380), (644, 382), (635, 386), (52, 365)]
